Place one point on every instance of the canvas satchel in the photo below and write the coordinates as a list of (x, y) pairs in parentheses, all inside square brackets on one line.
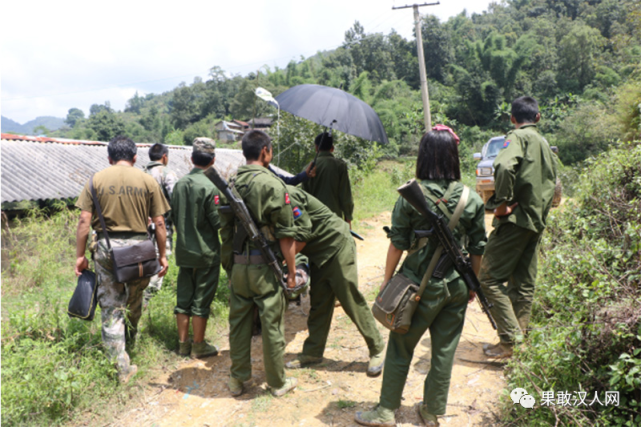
[(129, 262), (395, 305)]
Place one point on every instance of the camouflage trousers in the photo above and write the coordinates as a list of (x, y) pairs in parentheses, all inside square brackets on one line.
[(155, 282), (120, 303)]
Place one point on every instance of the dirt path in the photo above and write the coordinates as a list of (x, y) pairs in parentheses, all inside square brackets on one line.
[(196, 394)]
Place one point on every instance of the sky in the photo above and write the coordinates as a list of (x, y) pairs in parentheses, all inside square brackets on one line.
[(57, 55)]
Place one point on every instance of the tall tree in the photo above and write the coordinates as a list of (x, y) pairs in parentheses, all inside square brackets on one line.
[(577, 54), (134, 104), (371, 53), (404, 60), (106, 125), (96, 108), (183, 107), (437, 47), (74, 116)]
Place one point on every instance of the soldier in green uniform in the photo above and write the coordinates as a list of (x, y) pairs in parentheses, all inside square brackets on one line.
[(525, 176), (252, 281), (166, 178), (195, 208), (442, 305), (331, 184), (332, 254), (127, 197)]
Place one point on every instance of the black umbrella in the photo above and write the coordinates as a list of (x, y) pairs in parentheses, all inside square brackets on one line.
[(334, 108)]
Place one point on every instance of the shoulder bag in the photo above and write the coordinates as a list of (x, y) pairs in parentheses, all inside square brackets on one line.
[(129, 262), (396, 303)]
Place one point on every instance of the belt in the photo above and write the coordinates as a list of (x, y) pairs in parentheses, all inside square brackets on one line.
[(122, 235), (253, 257)]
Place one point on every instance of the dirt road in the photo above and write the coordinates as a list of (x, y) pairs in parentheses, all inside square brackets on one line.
[(329, 394)]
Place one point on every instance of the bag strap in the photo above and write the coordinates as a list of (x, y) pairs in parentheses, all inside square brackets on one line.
[(99, 210), (163, 185), (460, 207), (441, 203)]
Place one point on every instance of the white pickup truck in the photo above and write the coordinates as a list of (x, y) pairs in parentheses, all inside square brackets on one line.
[(485, 170)]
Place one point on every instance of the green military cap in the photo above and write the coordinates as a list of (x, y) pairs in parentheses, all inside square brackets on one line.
[(204, 145)]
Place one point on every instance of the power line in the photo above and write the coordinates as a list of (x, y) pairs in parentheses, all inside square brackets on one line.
[(252, 64), (96, 89)]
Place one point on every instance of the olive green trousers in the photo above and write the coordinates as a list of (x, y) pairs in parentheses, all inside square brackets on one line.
[(510, 256), (442, 311), (256, 285), (338, 279), (196, 289)]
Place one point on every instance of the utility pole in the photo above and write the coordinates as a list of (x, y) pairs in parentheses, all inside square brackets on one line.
[(421, 62)]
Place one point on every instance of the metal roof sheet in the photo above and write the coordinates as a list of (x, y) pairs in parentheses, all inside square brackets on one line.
[(35, 168)]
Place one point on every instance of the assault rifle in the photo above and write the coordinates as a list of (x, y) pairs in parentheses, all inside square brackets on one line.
[(412, 192), (253, 233)]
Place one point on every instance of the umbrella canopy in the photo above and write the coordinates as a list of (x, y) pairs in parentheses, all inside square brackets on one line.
[(328, 106)]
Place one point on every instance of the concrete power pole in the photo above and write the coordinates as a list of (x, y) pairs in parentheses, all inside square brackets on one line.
[(421, 62)]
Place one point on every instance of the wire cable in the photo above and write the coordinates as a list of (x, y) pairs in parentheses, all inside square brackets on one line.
[(96, 89)]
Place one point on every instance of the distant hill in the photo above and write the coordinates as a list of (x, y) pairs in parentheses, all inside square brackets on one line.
[(51, 123), (9, 125)]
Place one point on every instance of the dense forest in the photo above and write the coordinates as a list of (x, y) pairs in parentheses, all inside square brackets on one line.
[(579, 58)]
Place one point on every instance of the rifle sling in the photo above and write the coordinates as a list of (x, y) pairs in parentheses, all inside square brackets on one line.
[(437, 253)]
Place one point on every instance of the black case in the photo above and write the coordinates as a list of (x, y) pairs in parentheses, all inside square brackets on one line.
[(85, 298)]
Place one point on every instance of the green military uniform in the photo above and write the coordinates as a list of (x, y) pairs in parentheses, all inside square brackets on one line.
[(525, 172), (331, 185), (255, 283), (443, 303), (332, 254), (127, 197), (195, 207)]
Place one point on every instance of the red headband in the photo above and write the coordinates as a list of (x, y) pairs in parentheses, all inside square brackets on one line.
[(449, 129)]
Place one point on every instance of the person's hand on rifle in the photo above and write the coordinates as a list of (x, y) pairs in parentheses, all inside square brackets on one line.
[(311, 171), (472, 296)]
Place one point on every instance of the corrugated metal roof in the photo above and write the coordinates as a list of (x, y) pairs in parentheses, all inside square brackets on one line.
[(240, 122), (261, 121), (35, 168)]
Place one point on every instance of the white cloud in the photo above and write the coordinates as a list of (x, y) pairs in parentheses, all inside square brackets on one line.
[(71, 53)]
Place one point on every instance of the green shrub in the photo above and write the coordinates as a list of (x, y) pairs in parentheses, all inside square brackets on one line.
[(54, 367), (586, 320), (629, 110), (39, 250), (587, 131)]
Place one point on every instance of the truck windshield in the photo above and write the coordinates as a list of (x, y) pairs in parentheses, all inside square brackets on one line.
[(494, 147)]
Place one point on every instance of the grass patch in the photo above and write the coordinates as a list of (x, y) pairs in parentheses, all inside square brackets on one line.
[(376, 191), (309, 373), (54, 368), (262, 402), (344, 404)]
